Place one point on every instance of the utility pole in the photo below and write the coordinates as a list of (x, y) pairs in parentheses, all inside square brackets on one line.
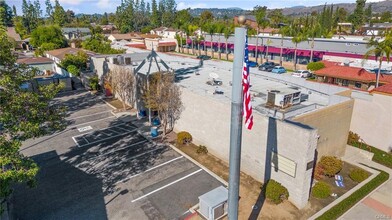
[(236, 121)]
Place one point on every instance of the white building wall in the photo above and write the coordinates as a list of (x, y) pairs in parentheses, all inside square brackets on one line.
[(372, 119), (208, 120)]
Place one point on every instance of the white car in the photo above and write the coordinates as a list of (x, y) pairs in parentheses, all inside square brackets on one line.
[(302, 73)]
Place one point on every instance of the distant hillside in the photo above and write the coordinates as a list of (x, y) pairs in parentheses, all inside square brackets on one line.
[(219, 12), (377, 7)]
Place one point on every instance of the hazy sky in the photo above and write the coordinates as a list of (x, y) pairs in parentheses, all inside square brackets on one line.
[(100, 6)]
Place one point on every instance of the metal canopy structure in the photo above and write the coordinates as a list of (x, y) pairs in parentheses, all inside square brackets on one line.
[(150, 59)]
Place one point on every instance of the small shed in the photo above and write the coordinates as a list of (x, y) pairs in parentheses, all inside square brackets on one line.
[(213, 204)]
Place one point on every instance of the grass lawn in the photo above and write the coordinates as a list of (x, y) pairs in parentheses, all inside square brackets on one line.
[(380, 156)]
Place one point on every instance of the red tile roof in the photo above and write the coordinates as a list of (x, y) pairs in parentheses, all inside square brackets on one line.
[(34, 60), (167, 44), (385, 89), (352, 73), (60, 53), (329, 63)]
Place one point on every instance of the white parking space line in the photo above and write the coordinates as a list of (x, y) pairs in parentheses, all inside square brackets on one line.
[(84, 116), (152, 168), (99, 130), (90, 122), (104, 139), (167, 185), (73, 138), (86, 140)]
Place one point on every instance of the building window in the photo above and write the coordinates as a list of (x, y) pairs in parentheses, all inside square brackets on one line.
[(358, 85), (344, 82), (348, 44)]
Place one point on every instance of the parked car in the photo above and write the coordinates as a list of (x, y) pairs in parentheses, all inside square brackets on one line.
[(302, 73), (203, 57), (252, 64), (278, 69), (267, 66)]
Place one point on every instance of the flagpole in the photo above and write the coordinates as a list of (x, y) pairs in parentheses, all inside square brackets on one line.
[(236, 121)]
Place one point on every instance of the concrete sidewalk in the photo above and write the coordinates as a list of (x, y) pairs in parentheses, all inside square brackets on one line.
[(378, 204)]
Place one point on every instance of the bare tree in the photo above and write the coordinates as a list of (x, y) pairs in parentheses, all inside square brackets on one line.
[(123, 83), (164, 96)]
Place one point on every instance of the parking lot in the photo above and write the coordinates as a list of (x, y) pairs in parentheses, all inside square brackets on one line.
[(103, 168)]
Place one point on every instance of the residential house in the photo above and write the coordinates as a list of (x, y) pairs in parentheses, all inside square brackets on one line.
[(58, 55), (375, 29), (75, 33), (43, 64), (120, 37), (11, 33), (165, 32), (160, 45), (352, 77), (250, 21)]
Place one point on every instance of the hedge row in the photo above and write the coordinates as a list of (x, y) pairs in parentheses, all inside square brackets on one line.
[(354, 198)]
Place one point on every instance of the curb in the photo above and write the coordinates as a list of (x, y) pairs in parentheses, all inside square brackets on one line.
[(198, 164)]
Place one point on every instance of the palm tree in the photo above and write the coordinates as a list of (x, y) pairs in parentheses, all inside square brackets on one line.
[(269, 42), (298, 34), (220, 27), (380, 49), (314, 31), (283, 31), (191, 30), (227, 32), (211, 30), (260, 14)]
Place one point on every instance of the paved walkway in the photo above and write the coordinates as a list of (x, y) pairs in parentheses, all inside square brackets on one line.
[(378, 204)]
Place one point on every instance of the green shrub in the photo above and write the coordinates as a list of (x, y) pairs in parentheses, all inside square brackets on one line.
[(315, 66), (342, 207), (358, 175), (184, 137), (275, 192), (94, 83), (331, 165), (202, 149), (352, 138), (321, 190), (73, 70), (380, 156)]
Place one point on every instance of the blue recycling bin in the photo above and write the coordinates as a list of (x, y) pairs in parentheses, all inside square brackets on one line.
[(154, 131), (142, 113), (156, 122)]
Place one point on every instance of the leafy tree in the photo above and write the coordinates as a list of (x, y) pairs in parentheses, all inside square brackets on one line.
[(125, 17), (169, 13), (211, 28), (299, 34), (276, 16), (155, 18), (5, 13), (49, 11), (73, 70), (357, 17), (48, 34), (122, 81), (386, 16), (23, 115), (368, 13), (98, 44), (220, 27), (164, 96), (381, 50), (31, 15), (79, 60), (59, 15), (206, 17)]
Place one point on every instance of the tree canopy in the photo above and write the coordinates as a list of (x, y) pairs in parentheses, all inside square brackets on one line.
[(48, 34), (23, 115)]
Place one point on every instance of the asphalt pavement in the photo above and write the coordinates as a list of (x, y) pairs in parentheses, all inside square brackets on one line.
[(101, 167)]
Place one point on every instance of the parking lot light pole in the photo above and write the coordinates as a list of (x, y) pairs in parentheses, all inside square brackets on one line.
[(236, 121)]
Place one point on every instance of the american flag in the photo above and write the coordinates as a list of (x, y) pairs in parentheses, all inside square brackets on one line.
[(247, 111)]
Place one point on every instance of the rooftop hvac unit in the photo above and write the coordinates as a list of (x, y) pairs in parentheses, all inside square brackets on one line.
[(283, 98), (128, 61), (213, 204)]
